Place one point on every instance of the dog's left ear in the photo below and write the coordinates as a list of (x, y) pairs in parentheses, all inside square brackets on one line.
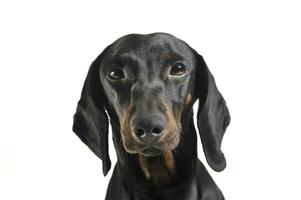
[(90, 120), (213, 116)]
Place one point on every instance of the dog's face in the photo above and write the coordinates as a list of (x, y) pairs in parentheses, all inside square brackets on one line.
[(148, 84), (148, 81)]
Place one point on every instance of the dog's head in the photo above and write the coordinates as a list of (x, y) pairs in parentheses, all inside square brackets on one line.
[(148, 83)]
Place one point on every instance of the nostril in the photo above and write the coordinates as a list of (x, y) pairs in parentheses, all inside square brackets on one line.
[(140, 132), (156, 131)]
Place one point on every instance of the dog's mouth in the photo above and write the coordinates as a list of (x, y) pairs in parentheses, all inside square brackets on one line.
[(152, 150)]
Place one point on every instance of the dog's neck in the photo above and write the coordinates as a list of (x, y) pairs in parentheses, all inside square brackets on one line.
[(159, 170)]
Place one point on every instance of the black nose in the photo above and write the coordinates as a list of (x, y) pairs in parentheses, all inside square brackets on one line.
[(149, 127)]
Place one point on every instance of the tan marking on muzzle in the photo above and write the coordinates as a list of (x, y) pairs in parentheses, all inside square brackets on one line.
[(170, 120), (170, 138), (178, 114), (125, 125), (169, 161), (130, 143), (188, 99)]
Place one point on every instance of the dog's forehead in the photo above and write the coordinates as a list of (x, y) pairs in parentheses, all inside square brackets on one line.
[(157, 44)]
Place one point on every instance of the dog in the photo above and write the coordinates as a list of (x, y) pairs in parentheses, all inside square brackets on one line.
[(147, 85)]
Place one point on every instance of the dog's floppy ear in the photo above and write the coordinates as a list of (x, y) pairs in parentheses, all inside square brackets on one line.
[(213, 116), (90, 120)]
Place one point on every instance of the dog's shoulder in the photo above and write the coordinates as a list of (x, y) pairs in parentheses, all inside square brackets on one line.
[(207, 188)]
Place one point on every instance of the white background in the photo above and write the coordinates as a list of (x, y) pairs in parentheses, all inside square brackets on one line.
[(252, 48)]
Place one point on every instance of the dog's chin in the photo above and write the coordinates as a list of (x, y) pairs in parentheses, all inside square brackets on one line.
[(151, 152)]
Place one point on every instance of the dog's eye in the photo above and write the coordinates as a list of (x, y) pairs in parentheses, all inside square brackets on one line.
[(116, 74), (177, 69)]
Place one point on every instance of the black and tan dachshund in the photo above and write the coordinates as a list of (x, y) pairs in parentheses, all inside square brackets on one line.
[(148, 84)]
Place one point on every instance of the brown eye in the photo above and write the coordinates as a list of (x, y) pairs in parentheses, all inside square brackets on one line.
[(116, 74), (177, 69)]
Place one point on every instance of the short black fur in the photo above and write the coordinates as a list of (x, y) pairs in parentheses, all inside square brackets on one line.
[(190, 180)]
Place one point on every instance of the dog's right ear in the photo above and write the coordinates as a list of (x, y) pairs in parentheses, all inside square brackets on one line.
[(90, 120)]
